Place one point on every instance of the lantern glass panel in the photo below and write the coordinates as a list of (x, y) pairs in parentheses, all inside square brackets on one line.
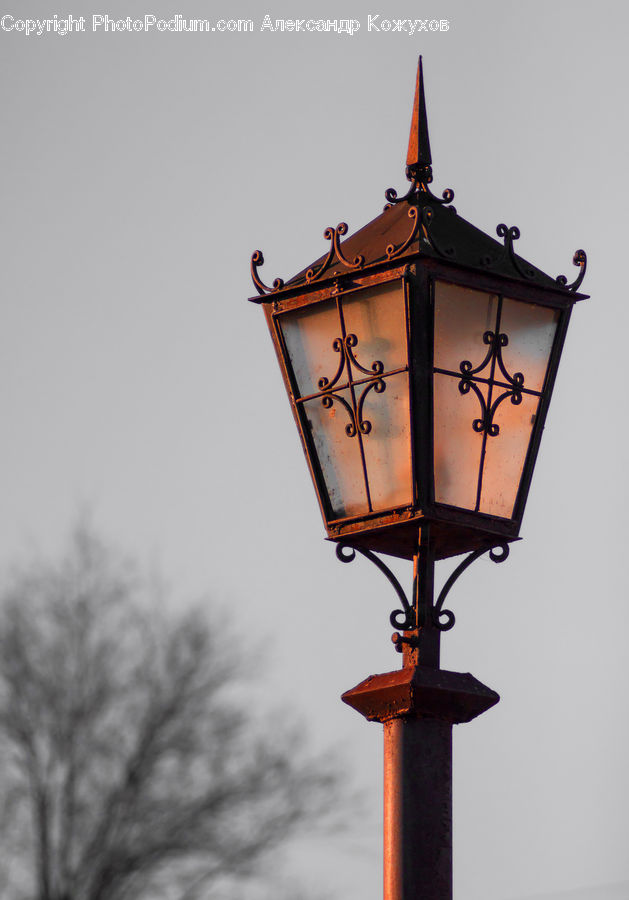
[(490, 363), (387, 446), (531, 332), (338, 454), (377, 316), (462, 317), (457, 450), (505, 455), (348, 358), (309, 335)]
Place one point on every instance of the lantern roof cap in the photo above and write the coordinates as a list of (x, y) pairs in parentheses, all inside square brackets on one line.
[(419, 224)]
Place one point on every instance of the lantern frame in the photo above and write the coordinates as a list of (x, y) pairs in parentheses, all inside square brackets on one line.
[(418, 241)]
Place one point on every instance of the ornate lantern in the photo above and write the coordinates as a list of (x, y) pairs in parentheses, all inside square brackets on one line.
[(419, 356)]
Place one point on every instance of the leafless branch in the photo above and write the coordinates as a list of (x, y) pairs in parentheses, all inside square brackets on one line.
[(130, 744)]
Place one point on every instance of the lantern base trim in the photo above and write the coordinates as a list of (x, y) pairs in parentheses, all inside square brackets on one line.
[(456, 531)]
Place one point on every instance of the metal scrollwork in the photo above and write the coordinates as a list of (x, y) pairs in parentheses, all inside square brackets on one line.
[(345, 346), (379, 386), (358, 261), (377, 368), (334, 235), (328, 402), (324, 383), (257, 260), (420, 179), (446, 197), (579, 259), (466, 366), (391, 195), (402, 619), (427, 220), (391, 250), (487, 424), (311, 274), (510, 235), (482, 424), (495, 344), (356, 423), (444, 619)]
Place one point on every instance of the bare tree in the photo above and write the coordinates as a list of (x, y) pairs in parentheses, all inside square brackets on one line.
[(132, 768)]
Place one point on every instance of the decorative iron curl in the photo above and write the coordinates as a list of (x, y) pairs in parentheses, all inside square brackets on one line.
[(497, 554), (418, 187), (517, 379), (347, 554), (257, 260), (466, 366), (579, 259), (356, 422), (421, 176), (391, 250), (334, 235), (486, 421), (324, 382), (344, 347), (358, 261), (379, 386), (377, 367), (311, 274), (510, 235), (489, 425), (327, 402), (428, 215), (391, 194)]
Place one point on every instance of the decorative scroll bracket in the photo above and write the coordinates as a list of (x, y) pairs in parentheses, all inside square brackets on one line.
[(497, 554), (579, 259), (402, 619)]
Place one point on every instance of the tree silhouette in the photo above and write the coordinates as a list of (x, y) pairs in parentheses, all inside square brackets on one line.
[(132, 766)]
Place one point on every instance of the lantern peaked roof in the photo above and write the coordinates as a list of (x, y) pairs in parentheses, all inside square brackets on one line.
[(417, 224)]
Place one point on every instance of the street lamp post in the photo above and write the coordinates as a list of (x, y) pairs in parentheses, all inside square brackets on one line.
[(419, 356)]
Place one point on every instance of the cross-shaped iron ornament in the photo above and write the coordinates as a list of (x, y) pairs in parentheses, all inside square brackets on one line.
[(329, 389)]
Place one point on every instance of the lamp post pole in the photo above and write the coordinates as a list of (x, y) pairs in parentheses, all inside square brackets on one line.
[(418, 705)]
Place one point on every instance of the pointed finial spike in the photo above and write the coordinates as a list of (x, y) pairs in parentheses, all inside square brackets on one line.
[(418, 156)]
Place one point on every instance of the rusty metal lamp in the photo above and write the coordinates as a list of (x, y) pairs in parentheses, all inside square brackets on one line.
[(419, 356)]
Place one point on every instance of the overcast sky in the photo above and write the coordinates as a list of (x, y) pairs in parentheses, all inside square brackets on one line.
[(140, 171)]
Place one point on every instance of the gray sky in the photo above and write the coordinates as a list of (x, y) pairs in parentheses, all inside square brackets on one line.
[(139, 172)]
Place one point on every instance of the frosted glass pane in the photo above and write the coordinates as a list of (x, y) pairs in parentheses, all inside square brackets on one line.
[(339, 455), (377, 317), (387, 446), (462, 316), (457, 445), (531, 331), (309, 335), (505, 455)]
